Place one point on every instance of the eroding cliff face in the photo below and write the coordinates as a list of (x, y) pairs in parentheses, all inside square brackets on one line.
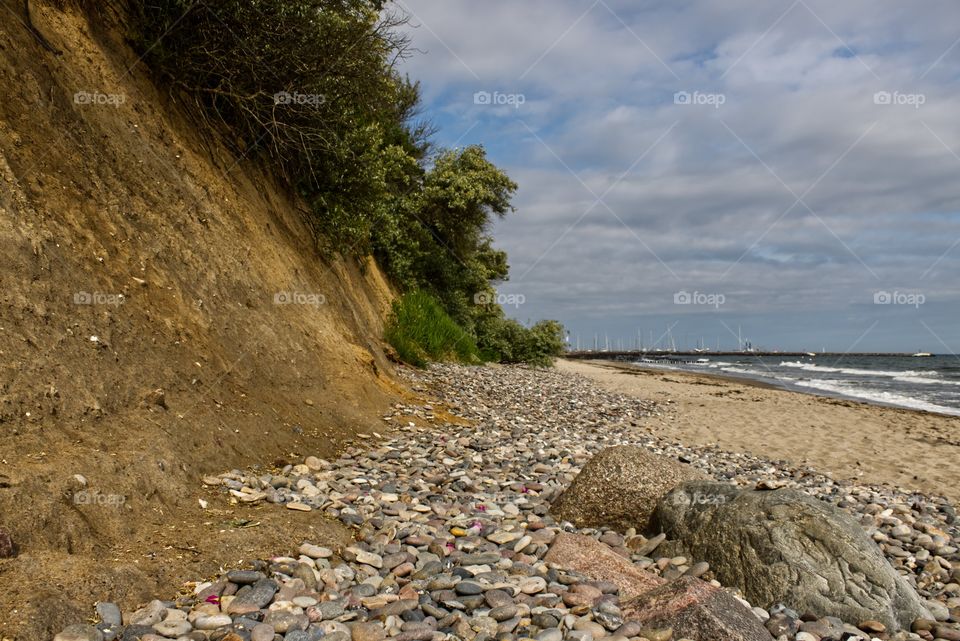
[(163, 313)]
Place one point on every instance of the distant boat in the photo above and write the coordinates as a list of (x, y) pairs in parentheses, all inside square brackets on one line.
[(811, 354), (703, 360), (922, 354)]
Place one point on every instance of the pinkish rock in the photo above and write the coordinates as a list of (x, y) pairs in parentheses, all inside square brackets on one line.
[(597, 561), (697, 610)]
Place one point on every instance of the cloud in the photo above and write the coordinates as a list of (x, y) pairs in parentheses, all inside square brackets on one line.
[(813, 158)]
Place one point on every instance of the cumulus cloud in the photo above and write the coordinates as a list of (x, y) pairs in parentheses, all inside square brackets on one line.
[(795, 156)]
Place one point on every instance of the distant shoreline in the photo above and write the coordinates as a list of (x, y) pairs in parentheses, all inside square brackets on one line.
[(757, 381), (849, 438)]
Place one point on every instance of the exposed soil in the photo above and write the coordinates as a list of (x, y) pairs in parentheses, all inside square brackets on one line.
[(104, 196)]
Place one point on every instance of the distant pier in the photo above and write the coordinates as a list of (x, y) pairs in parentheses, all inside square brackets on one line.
[(693, 357)]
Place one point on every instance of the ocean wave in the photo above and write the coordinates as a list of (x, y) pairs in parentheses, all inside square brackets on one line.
[(846, 388), (810, 367), (924, 380)]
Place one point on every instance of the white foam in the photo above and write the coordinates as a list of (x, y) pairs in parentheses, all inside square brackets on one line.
[(810, 367), (888, 398)]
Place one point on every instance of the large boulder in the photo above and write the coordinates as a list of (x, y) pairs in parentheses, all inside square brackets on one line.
[(697, 610), (694, 609), (596, 560), (786, 546), (619, 488)]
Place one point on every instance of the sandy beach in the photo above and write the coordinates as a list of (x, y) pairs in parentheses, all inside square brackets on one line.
[(847, 439)]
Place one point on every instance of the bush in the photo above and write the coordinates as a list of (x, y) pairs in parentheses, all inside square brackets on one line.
[(311, 87), (421, 331), (505, 340)]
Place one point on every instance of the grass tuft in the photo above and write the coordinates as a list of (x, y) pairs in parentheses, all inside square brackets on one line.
[(421, 331)]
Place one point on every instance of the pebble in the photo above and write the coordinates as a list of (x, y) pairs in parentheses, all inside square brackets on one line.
[(451, 524)]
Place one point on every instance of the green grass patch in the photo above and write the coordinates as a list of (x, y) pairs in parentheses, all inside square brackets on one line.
[(421, 331)]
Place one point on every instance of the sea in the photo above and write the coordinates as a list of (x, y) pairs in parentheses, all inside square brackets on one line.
[(931, 384)]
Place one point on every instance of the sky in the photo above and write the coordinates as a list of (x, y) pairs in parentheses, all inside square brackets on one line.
[(788, 171)]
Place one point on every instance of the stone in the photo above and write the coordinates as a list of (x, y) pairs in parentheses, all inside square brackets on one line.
[(657, 634), (619, 488), (695, 609), (211, 621), (172, 629), (468, 588), (315, 551), (259, 596), (150, 614), (262, 632), (369, 558), (79, 632), (588, 556), (368, 632), (786, 546), (109, 613), (244, 577)]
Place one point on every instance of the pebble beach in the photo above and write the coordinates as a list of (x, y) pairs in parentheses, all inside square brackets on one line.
[(452, 527)]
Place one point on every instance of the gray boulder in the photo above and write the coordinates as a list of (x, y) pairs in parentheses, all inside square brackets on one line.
[(785, 546), (619, 488)]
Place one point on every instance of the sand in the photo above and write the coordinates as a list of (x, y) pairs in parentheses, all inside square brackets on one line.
[(915, 450)]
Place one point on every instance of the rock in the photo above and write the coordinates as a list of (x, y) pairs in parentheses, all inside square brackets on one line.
[(695, 609), (533, 585), (368, 632), (785, 546), (150, 614), (657, 634), (172, 629), (262, 632), (244, 577), (619, 488), (369, 558), (109, 613), (315, 551), (211, 621), (594, 559), (79, 632), (259, 596)]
